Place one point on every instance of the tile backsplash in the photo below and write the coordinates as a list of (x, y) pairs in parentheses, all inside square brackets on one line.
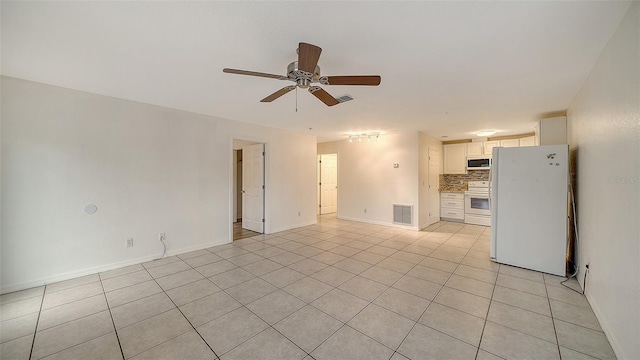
[(458, 182)]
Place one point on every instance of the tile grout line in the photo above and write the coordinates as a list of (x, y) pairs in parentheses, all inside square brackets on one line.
[(35, 330), (74, 301), (61, 350), (68, 321), (309, 304), (432, 301), (181, 313), (242, 305), (553, 320), (423, 311), (487, 316), (306, 257), (372, 302), (115, 330)]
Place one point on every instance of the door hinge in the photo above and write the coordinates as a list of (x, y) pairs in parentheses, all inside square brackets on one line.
[(262, 220), (262, 187), (319, 183), (263, 153)]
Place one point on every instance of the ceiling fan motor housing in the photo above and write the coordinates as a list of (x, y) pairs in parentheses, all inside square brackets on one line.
[(302, 78)]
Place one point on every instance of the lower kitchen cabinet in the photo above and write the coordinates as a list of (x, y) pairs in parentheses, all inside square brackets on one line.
[(452, 206)]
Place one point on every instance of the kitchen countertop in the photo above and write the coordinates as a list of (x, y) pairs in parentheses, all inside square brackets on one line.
[(453, 191)]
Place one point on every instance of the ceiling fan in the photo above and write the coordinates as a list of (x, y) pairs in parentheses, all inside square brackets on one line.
[(305, 72)]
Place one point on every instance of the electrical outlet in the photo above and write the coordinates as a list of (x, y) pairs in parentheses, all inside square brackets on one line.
[(162, 237), (129, 242)]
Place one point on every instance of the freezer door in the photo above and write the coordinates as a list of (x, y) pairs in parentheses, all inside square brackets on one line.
[(530, 196)]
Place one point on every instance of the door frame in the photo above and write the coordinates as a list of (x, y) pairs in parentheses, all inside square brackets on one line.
[(253, 187), (440, 165), (319, 180), (267, 187), (318, 154)]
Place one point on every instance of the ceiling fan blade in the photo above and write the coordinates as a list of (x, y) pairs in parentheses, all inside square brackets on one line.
[(323, 96), (254, 73), (308, 56), (278, 93), (368, 80)]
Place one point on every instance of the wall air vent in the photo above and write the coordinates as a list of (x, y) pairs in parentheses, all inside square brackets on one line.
[(402, 214)]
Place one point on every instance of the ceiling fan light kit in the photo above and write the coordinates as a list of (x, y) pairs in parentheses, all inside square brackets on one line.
[(306, 72)]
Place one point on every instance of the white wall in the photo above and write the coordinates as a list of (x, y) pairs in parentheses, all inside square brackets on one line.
[(426, 142), (148, 169), (368, 180), (604, 134)]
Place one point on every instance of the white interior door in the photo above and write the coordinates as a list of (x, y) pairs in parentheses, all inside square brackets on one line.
[(434, 186), (253, 188), (235, 186), (328, 183)]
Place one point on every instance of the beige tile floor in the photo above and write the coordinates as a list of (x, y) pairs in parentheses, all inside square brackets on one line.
[(335, 290)]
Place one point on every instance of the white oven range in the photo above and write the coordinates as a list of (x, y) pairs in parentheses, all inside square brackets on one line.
[(477, 208)]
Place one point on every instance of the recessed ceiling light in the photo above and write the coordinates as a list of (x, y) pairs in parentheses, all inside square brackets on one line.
[(486, 133)]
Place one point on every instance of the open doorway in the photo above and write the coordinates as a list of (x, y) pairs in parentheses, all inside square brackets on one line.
[(248, 189), (327, 184)]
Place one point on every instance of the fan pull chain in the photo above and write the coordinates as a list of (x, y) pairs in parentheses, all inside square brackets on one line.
[(296, 99)]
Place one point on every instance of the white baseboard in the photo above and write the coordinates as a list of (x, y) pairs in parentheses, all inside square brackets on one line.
[(606, 328), (101, 268), (289, 227), (379, 223)]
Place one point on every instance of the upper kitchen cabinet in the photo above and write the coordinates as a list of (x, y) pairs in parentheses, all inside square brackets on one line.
[(455, 158), (528, 141), (475, 148), (510, 143), (552, 131), (489, 145), (480, 148)]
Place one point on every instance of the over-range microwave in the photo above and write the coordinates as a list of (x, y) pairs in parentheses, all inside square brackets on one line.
[(479, 163)]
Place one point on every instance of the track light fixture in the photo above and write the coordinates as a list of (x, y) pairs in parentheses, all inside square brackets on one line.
[(361, 136)]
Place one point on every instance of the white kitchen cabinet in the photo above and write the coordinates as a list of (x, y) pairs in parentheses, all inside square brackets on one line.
[(452, 206), (481, 148), (510, 143), (552, 131), (489, 145), (455, 158), (528, 141), (475, 148)]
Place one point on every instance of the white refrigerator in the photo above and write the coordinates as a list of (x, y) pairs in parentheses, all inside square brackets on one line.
[(529, 208)]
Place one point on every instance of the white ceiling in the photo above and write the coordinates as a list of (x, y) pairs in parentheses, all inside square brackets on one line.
[(448, 68)]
